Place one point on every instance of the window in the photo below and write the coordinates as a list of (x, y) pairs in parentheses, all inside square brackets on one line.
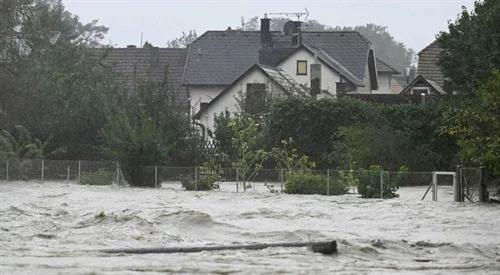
[(301, 67), (419, 91), (255, 101)]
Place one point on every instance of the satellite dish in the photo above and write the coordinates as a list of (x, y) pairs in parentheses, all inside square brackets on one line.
[(290, 28)]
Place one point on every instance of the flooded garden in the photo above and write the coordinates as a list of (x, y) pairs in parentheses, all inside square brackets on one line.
[(59, 227)]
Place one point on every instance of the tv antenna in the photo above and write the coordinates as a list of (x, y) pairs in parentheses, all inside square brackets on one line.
[(292, 14)]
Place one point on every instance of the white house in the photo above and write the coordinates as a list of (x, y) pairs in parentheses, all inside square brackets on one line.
[(316, 63), (219, 65)]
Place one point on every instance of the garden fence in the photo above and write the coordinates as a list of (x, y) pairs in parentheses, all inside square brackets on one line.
[(375, 184)]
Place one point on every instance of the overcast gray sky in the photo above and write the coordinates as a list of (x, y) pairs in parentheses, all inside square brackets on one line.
[(414, 22)]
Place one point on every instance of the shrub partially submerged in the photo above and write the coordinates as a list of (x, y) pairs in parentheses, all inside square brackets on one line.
[(206, 183), (369, 182), (309, 183), (96, 178)]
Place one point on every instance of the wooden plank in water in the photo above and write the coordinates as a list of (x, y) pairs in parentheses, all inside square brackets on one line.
[(326, 248)]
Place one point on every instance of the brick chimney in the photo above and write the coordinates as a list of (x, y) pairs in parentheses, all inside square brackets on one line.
[(265, 31), (266, 41)]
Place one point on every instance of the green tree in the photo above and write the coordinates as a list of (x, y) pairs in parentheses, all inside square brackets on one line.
[(249, 157), (313, 124), (471, 46), (475, 125), (19, 143), (137, 142), (51, 80), (371, 144)]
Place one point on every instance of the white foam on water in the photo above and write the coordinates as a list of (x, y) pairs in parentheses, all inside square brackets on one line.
[(57, 227)]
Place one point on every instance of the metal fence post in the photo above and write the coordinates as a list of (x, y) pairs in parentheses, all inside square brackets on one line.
[(7, 170), (196, 178), (483, 188), (381, 183), (79, 170), (43, 168), (237, 179), (434, 186), (67, 176), (281, 179), (156, 176), (328, 182), (457, 190)]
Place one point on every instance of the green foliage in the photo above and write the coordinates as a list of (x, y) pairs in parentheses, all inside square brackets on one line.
[(249, 157), (475, 124), (371, 144), (206, 183), (96, 178), (313, 124), (309, 183), (347, 178), (472, 46), (223, 137), (288, 157), (369, 182), (53, 86), (137, 142), (19, 144)]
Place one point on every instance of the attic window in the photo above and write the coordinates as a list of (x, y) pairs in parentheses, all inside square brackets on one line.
[(420, 91), (301, 67)]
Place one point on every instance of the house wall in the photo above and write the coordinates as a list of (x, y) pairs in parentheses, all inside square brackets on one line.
[(205, 94), (329, 78), (228, 102), (428, 66), (384, 83), (367, 87)]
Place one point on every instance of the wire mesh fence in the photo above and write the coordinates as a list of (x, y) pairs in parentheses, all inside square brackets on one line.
[(365, 183)]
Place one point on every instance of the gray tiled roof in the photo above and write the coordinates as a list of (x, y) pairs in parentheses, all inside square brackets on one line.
[(282, 78), (384, 67), (134, 65), (219, 57)]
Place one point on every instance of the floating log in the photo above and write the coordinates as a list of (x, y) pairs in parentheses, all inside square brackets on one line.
[(318, 247)]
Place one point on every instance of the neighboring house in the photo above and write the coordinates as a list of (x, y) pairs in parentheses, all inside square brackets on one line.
[(138, 65), (423, 86), (428, 64), (387, 79), (430, 78)]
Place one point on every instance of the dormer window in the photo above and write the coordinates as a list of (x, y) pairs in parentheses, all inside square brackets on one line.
[(301, 67)]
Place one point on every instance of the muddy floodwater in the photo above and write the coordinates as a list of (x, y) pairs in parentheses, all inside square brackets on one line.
[(57, 227)]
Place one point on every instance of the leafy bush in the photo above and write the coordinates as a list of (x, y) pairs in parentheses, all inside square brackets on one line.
[(369, 182), (205, 183), (138, 142), (96, 178), (308, 183), (347, 178)]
